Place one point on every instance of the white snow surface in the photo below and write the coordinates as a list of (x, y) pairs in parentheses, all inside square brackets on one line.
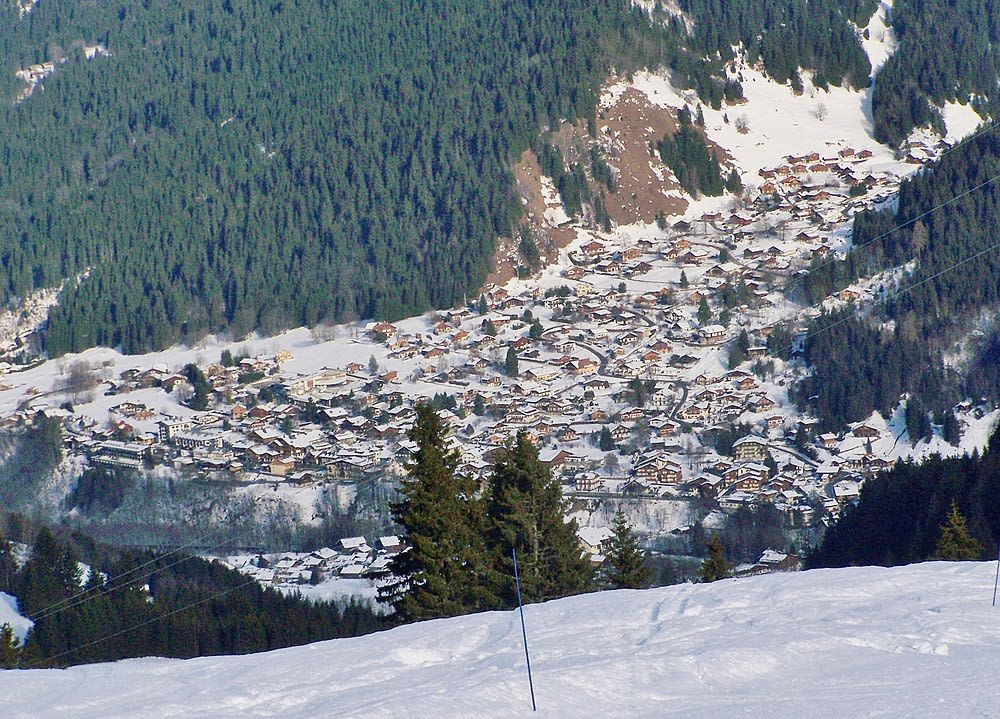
[(9, 614), (915, 641)]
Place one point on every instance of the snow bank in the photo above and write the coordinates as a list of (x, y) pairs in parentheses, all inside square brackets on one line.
[(10, 615), (910, 641)]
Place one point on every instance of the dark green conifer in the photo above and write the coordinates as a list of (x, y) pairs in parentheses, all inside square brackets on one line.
[(715, 566), (625, 566), (955, 543), (444, 572), (526, 508)]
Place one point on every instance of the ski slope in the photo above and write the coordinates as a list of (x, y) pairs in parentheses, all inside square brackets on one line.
[(918, 641)]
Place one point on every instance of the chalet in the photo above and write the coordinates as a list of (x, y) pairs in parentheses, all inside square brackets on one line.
[(760, 404), (587, 482), (595, 540), (568, 434), (620, 432), (865, 432), (592, 249), (828, 440), (713, 334), (749, 448), (382, 330), (630, 415)]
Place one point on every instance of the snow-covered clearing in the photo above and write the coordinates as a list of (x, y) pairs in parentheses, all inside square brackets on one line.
[(911, 641), (9, 615)]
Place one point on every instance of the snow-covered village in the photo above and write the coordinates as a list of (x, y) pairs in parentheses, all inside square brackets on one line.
[(652, 362)]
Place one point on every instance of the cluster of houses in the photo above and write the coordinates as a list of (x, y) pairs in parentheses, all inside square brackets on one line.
[(620, 379), (353, 559)]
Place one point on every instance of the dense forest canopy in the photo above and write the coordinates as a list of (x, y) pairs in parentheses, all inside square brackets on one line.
[(242, 165), (787, 35), (246, 164), (948, 50), (948, 224)]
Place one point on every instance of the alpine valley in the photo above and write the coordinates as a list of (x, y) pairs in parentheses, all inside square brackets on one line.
[(296, 293)]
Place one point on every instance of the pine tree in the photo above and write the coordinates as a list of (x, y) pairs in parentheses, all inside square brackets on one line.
[(606, 442), (704, 312), (625, 567), (715, 566), (510, 362), (10, 648), (955, 543), (445, 570), (526, 508)]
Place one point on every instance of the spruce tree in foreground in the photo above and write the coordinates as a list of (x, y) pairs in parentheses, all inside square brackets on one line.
[(526, 509), (955, 543), (445, 571), (625, 566), (715, 566)]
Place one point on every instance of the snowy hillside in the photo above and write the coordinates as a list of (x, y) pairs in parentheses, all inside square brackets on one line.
[(904, 642)]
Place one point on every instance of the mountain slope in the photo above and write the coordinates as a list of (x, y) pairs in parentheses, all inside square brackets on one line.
[(243, 164), (910, 641)]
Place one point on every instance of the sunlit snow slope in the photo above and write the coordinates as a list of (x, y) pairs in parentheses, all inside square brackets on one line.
[(920, 641)]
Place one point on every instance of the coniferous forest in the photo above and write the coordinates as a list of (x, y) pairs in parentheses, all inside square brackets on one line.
[(245, 165), (136, 603), (899, 517), (860, 364), (921, 74), (242, 165)]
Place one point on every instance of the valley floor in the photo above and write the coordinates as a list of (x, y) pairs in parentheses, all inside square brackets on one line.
[(865, 642)]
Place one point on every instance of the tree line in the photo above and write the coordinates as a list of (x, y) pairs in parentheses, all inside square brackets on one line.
[(946, 224), (462, 537), (136, 603), (900, 515)]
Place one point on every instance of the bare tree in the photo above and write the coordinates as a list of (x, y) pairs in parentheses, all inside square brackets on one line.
[(821, 112), (80, 381), (742, 125)]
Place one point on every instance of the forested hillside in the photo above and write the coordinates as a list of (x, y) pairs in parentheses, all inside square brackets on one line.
[(948, 224), (242, 165), (137, 604), (246, 164), (899, 516), (787, 35), (947, 51)]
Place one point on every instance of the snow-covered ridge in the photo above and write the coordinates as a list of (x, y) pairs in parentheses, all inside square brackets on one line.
[(911, 641)]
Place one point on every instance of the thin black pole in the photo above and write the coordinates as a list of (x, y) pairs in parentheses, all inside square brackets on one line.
[(995, 581), (524, 634)]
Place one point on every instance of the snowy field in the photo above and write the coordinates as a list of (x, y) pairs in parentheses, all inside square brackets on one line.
[(919, 641)]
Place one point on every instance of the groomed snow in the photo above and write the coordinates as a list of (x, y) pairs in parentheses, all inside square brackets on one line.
[(914, 641)]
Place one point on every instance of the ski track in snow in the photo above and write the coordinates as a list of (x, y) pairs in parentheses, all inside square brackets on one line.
[(911, 641)]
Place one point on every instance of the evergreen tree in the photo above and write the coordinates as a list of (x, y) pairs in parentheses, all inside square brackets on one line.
[(950, 430), (536, 330), (10, 648), (202, 389), (445, 571), (625, 566), (715, 566), (606, 442), (510, 362), (704, 312), (526, 509), (955, 543)]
